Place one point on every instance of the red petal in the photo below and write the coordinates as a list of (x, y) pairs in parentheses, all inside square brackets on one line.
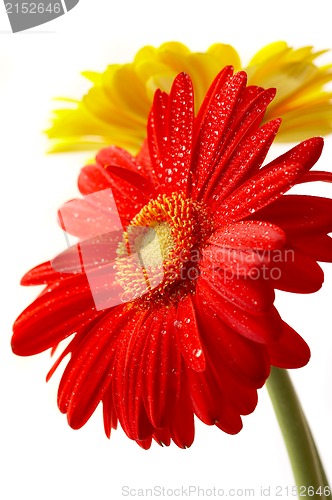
[(290, 351), (317, 246), (306, 153), (109, 414), (116, 157), (188, 335), (252, 295), (218, 116), (157, 134), (299, 214), (182, 428), (91, 216), (145, 444), (252, 235), (69, 349), (126, 179), (181, 122), (250, 94), (79, 335), (261, 190), (118, 177), (162, 437), (161, 368), (144, 162), (263, 327), (92, 179), (297, 273), (127, 384), (244, 124), (247, 159), (131, 185), (41, 275), (89, 254), (236, 262), (56, 314), (209, 402), (316, 175), (88, 373), (212, 96), (245, 358), (170, 130)]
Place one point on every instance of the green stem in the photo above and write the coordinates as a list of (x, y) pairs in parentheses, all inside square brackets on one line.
[(306, 464)]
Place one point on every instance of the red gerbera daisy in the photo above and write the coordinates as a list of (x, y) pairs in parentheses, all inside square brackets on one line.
[(187, 324)]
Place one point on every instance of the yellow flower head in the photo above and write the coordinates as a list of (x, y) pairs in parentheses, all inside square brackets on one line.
[(115, 109)]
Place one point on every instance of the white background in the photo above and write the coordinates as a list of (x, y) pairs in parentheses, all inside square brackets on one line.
[(41, 457)]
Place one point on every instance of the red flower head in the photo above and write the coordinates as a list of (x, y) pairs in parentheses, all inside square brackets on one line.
[(178, 319)]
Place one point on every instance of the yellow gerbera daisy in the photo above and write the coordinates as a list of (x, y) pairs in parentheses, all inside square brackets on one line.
[(115, 109)]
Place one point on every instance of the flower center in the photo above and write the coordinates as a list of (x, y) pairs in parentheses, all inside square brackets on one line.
[(158, 257), (156, 244)]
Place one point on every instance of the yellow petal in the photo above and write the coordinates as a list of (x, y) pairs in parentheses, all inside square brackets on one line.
[(116, 107)]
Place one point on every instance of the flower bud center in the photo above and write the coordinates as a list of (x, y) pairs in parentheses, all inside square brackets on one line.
[(158, 257)]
